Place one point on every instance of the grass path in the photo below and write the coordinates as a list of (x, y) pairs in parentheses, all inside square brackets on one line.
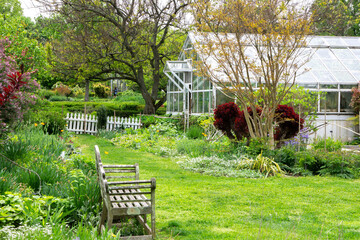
[(194, 206)]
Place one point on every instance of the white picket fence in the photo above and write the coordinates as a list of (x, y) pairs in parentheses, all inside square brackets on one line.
[(87, 124)]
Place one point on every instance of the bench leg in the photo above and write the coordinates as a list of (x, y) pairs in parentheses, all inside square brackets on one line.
[(103, 217), (110, 218), (153, 225)]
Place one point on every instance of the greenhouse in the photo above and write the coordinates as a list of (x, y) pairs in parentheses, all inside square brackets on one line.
[(333, 68)]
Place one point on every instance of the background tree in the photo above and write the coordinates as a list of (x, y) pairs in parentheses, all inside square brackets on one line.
[(336, 17), (139, 35), (266, 46)]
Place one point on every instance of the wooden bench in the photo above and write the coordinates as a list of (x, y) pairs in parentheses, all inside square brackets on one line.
[(125, 196)]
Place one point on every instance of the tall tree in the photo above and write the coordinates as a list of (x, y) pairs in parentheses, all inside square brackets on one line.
[(10, 8), (336, 17), (138, 32), (243, 42)]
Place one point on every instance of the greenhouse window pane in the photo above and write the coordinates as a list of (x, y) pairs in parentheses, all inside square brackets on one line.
[(356, 74), (343, 76), (324, 53), (328, 86), (305, 78), (200, 102), (334, 65), (334, 41), (195, 82), (181, 102), (324, 76), (315, 64), (330, 104), (356, 52), (354, 42), (221, 98), (345, 99), (343, 53), (308, 86), (206, 101), (176, 102), (194, 103), (346, 86), (168, 100), (352, 64)]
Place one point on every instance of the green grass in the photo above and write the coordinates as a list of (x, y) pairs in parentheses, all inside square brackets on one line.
[(194, 206)]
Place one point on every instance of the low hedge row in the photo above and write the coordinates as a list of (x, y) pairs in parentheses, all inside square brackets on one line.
[(122, 109)]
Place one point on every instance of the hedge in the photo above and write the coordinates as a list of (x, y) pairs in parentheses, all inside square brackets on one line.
[(122, 109)]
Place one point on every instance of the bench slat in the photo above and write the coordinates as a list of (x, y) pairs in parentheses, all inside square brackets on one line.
[(118, 171), (129, 187), (129, 182)]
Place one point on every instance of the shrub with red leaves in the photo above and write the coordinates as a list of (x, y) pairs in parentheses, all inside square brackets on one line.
[(287, 123), (230, 120), (225, 116), (16, 89)]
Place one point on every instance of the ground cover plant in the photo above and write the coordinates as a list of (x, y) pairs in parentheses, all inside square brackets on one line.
[(43, 183), (196, 206)]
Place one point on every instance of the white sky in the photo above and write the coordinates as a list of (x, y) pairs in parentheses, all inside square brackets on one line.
[(32, 8)]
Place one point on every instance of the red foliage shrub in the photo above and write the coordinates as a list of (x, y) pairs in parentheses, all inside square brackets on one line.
[(225, 115), (230, 120), (287, 122)]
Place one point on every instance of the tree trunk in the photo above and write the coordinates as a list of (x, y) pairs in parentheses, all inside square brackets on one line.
[(149, 101), (87, 90)]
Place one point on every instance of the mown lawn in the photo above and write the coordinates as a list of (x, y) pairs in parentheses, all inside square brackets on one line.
[(194, 206)]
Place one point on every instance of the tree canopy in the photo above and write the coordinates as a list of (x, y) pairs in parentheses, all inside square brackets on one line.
[(252, 43), (129, 38), (336, 17)]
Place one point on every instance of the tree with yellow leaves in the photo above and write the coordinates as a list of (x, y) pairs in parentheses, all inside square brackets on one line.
[(248, 46)]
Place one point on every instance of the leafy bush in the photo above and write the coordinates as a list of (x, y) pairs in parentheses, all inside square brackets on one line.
[(78, 91), (57, 98), (332, 145), (101, 114), (195, 132), (52, 122), (101, 90), (129, 96), (63, 90), (286, 158), (44, 93), (16, 209), (257, 146)]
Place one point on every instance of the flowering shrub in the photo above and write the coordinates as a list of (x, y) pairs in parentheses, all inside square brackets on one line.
[(15, 88)]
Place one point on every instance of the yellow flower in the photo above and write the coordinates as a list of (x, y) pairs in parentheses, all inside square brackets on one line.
[(35, 124), (113, 235), (106, 152), (204, 134), (157, 130), (61, 130), (42, 123)]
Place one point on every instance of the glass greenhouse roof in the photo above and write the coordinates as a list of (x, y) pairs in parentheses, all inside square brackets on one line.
[(334, 60)]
